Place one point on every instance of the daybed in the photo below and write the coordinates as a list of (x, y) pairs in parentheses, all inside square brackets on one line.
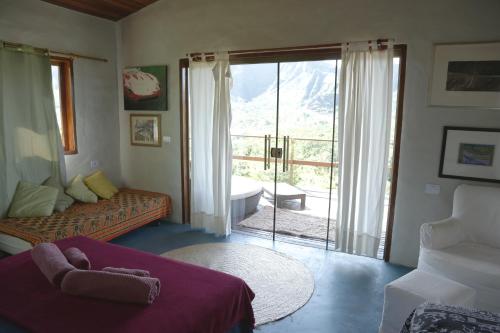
[(105, 220), (191, 299)]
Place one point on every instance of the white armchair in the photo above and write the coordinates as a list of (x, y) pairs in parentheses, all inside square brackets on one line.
[(466, 246)]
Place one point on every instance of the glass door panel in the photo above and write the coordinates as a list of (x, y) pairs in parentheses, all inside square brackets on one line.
[(305, 131), (253, 133)]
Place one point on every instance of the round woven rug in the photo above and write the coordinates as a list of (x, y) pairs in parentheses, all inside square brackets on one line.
[(282, 285)]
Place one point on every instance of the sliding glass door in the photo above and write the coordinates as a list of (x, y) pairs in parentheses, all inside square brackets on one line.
[(283, 147), (305, 131), (253, 134)]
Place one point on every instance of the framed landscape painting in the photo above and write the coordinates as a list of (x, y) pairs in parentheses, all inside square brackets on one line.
[(145, 130), (466, 75), (145, 88), (470, 153)]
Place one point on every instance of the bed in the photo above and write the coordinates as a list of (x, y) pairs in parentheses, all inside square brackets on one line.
[(192, 298), (105, 220)]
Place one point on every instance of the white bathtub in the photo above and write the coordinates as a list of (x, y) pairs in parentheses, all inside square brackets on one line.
[(245, 196)]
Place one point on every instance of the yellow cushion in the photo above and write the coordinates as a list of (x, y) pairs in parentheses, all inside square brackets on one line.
[(100, 185)]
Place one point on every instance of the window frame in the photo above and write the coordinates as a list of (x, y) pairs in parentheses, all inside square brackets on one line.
[(67, 103), (400, 51)]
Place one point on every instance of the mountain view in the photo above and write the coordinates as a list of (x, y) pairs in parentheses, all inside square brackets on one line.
[(306, 103), (306, 98)]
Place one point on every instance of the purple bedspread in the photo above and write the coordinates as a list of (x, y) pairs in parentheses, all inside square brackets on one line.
[(192, 299)]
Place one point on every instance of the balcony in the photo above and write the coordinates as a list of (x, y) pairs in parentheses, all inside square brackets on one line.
[(310, 166)]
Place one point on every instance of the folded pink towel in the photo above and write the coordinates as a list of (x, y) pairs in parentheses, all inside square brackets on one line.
[(111, 286), (51, 261), (132, 271), (77, 258)]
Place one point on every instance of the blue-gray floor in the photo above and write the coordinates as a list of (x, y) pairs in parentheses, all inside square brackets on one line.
[(349, 289)]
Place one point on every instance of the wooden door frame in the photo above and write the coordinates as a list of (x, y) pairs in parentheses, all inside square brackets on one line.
[(301, 54), (399, 50), (184, 123)]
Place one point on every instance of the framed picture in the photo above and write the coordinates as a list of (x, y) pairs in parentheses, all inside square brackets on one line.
[(145, 88), (470, 153), (466, 75), (145, 130)]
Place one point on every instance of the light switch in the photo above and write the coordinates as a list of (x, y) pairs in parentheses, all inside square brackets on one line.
[(167, 139), (432, 189), (94, 164)]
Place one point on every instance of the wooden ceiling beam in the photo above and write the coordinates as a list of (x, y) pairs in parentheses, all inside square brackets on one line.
[(109, 9)]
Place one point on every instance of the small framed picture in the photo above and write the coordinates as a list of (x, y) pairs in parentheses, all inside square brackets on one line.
[(466, 75), (145, 130), (470, 153)]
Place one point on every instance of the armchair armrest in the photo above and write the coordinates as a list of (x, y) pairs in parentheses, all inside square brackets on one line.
[(441, 234)]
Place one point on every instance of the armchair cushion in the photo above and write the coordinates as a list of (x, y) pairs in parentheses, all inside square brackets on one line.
[(441, 234), (474, 265), (478, 209)]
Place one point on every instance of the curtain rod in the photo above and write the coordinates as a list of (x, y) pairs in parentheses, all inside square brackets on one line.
[(19, 47), (380, 43)]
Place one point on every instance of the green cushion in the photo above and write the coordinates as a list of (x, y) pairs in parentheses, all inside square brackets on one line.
[(63, 200), (80, 192), (31, 200)]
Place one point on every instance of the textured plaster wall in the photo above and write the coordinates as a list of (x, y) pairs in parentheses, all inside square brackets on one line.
[(165, 31), (44, 25)]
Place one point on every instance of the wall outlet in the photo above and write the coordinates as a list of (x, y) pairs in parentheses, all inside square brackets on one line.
[(94, 164), (432, 189)]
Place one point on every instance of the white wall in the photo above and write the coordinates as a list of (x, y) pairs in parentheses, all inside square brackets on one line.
[(44, 25), (165, 31)]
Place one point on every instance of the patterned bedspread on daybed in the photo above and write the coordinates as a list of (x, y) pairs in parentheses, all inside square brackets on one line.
[(107, 219)]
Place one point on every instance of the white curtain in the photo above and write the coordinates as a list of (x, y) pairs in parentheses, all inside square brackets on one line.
[(364, 132), (30, 144), (211, 152)]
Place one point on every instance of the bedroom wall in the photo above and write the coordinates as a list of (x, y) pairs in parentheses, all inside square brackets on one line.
[(41, 24), (165, 31)]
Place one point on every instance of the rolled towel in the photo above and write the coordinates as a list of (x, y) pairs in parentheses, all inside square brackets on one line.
[(77, 258), (51, 262), (132, 271), (111, 286)]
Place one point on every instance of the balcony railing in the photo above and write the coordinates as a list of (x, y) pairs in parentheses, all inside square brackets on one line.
[(293, 143), (252, 150)]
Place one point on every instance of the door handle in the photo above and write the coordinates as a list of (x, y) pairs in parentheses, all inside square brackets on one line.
[(265, 152), (269, 151), (276, 152), (286, 153), (283, 161)]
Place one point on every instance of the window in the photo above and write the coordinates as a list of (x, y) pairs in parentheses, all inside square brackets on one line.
[(62, 86), (254, 91)]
